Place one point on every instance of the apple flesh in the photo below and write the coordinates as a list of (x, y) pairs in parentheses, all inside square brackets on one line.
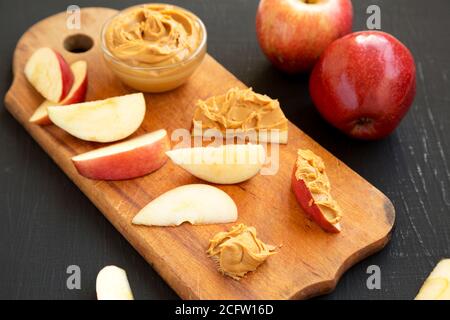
[(294, 33), (40, 116), (197, 204), (126, 160), (107, 120), (49, 74), (78, 91), (437, 285), (77, 94), (112, 284), (364, 84), (227, 164)]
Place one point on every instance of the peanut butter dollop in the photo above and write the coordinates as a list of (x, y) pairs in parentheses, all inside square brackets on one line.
[(311, 169), (154, 35), (242, 110), (238, 251)]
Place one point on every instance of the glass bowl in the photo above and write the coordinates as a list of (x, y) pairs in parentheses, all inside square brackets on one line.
[(155, 79)]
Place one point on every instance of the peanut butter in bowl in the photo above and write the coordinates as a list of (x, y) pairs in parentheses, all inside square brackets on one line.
[(154, 47)]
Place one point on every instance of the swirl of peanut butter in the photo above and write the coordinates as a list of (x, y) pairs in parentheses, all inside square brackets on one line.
[(154, 35), (238, 251), (241, 109)]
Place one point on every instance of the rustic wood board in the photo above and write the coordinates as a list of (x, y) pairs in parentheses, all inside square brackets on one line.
[(309, 261)]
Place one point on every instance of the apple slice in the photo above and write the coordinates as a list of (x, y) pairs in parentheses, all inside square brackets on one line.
[(49, 74), (437, 285), (227, 164), (107, 120), (126, 160), (76, 95), (311, 187), (195, 203), (112, 284), (40, 116)]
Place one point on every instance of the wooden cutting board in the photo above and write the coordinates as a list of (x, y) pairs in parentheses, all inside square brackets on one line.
[(309, 261)]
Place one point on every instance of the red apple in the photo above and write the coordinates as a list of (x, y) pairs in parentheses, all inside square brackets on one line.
[(364, 83), (49, 74), (294, 33), (76, 95)]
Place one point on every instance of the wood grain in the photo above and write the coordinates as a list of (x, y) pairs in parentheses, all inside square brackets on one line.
[(309, 263)]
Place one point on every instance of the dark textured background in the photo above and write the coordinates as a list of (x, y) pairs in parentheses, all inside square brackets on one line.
[(47, 224)]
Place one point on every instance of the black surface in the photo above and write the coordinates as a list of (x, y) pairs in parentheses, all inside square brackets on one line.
[(47, 224)]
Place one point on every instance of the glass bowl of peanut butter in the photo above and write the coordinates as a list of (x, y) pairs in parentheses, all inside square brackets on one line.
[(154, 47)]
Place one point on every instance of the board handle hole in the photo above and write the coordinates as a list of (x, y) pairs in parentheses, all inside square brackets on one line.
[(78, 43)]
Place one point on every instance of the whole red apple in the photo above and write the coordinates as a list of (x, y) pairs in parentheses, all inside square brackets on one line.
[(294, 33), (364, 83)]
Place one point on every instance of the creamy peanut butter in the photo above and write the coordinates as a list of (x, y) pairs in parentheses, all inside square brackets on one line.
[(241, 111), (154, 35), (311, 169), (154, 47), (238, 251)]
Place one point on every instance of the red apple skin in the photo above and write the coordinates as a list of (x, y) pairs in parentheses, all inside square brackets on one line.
[(126, 165), (364, 84), (306, 201), (43, 120), (293, 34), (78, 95), (66, 74)]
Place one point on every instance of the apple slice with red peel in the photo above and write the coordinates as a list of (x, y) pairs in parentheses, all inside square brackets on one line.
[(78, 92), (194, 203), (311, 187), (49, 74), (126, 160), (228, 164), (107, 120), (76, 95), (306, 201), (40, 116), (112, 284)]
